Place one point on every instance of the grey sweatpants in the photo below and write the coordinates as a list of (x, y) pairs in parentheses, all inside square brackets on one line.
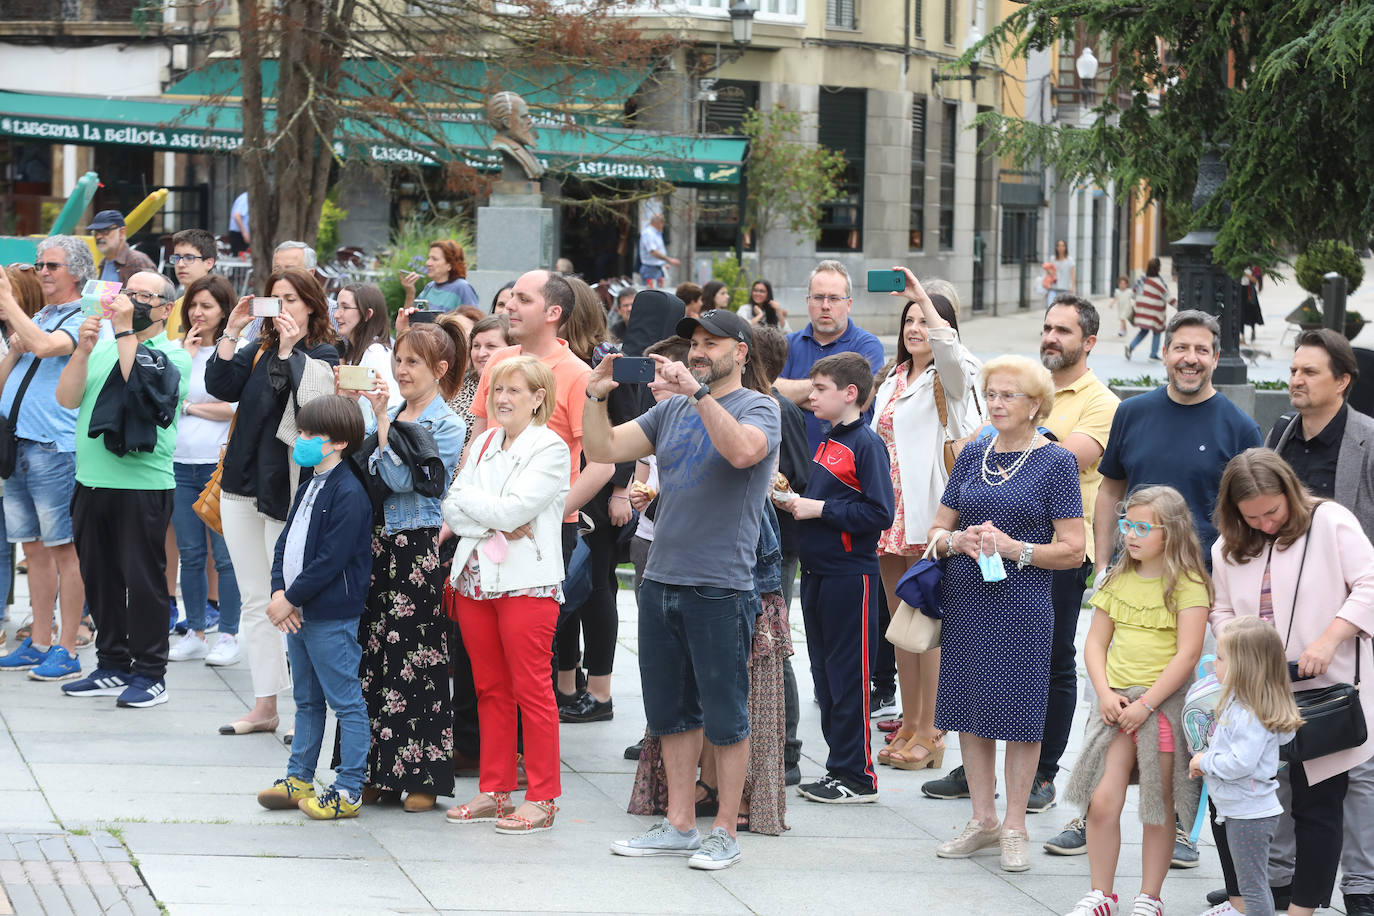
[(1357, 851), (1249, 841)]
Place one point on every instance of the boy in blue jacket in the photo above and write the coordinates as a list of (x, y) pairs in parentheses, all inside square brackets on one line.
[(320, 579), (847, 505)]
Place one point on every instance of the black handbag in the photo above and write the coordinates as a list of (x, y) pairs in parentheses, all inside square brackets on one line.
[(1333, 719), (9, 441)]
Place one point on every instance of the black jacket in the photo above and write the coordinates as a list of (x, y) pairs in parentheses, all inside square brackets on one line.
[(128, 413), (256, 463), (653, 317), (794, 463)]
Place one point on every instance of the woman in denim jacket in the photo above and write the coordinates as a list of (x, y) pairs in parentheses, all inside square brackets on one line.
[(403, 631)]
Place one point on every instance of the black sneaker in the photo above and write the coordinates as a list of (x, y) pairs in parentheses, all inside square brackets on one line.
[(1071, 841), (587, 709), (1185, 851), (833, 790), (1041, 797), (882, 703), (566, 700), (1282, 897), (792, 776), (955, 785), (634, 750)]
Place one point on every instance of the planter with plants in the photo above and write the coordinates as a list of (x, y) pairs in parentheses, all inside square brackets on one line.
[(1310, 269)]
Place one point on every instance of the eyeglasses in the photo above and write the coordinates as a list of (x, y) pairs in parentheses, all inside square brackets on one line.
[(1139, 529), (20, 265), (176, 259), (828, 300), (992, 397), (50, 266), (143, 298)]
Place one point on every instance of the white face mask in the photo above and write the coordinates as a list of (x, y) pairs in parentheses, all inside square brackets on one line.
[(990, 564)]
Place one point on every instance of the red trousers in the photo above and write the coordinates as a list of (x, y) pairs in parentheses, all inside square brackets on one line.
[(508, 641)]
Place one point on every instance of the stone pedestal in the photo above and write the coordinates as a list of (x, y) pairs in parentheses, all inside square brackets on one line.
[(514, 234)]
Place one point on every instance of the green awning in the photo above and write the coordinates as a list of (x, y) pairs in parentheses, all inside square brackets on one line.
[(191, 126)]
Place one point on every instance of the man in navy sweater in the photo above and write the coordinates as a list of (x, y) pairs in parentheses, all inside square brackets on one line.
[(847, 505)]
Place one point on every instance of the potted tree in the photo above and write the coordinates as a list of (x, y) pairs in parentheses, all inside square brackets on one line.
[(1312, 265)]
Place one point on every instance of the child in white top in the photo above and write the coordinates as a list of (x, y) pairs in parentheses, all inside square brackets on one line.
[(1124, 298)]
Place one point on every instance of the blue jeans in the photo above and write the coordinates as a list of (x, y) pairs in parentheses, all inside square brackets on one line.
[(191, 532), (38, 496), (1154, 341), (324, 658), (694, 643), (6, 564)]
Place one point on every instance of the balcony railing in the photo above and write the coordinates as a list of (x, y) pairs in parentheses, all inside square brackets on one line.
[(69, 10)]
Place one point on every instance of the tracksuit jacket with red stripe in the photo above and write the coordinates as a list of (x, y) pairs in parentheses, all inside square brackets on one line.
[(851, 473)]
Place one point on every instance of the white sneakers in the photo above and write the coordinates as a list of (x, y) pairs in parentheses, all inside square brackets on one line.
[(1145, 905), (1094, 903), (225, 652), (189, 648)]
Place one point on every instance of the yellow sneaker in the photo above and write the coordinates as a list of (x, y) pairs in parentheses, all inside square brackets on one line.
[(285, 793), (330, 806)]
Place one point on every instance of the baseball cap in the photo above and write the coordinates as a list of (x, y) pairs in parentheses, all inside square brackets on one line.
[(106, 219), (721, 323)]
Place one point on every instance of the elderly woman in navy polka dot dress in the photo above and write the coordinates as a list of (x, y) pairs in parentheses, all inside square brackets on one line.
[(1011, 514)]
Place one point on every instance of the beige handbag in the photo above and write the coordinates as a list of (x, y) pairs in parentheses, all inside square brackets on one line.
[(910, 629)]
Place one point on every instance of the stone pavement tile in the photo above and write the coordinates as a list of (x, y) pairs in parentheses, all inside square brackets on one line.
[(93, 808), (26, 847), (660, 885), (51, 897), (55, 849), (112, 745), (81, 900), (336, 908), (124, 874), (13, 873), (251, 881), (111, 849), (141, 901), (208, 779), (87, 715), (295, 839), (25, 810), (7, 853), (6, 908), (67, 873), (83, 848), (23, 899), (1180, 895)]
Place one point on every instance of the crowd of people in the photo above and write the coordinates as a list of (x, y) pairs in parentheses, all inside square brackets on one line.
[(416, 524)]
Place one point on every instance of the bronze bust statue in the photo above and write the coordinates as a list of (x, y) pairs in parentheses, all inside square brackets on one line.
[(509, 116)]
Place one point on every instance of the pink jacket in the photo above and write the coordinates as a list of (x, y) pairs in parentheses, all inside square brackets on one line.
[(1337, 581)]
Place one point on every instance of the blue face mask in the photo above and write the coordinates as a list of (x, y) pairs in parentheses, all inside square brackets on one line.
[(308, 452), (990, 565)]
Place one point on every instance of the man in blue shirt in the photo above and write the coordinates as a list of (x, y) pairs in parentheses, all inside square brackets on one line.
[(828, 301)]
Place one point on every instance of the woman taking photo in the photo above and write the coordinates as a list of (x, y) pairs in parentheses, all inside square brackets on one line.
[(507, 507), (761, 309), (202, 431), (360, 312), (447, 268), (490, 334), (926, 401), (403, 631), (289, 366), (1011, 513), (1276, 542)]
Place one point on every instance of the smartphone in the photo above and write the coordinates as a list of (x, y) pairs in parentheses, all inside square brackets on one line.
[(886, 281), (1293, 674), (424, 316), (357, 378), (633, 369), (266, 306)]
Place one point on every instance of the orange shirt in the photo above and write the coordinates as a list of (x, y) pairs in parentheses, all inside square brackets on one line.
[(570, 398)]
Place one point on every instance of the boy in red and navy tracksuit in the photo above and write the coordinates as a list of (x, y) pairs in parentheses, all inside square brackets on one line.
[(847, 505)]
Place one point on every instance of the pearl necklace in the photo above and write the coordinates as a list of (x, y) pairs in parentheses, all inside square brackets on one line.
[(1008, 472)]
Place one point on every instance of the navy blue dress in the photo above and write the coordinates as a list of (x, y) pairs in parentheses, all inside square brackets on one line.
[(995, 641)]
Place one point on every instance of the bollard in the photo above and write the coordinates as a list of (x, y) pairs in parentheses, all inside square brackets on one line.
[(1333, 302)]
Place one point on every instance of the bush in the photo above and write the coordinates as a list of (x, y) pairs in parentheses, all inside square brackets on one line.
[(331, 215), (730, 271), (408, 249), (1322, 258)]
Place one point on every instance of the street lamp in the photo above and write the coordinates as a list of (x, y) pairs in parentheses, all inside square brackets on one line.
[(1086, 65), (741, 22)]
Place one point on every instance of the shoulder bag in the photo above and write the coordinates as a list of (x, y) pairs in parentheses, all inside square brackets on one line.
[(942, 408), (9, 438), (916, 621), (206, 505), (1333, 719)]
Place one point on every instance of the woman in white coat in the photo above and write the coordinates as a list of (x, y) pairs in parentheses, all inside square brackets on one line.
[(927, 400), (506, 506)]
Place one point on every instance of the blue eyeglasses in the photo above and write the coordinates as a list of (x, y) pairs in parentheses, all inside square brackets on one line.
[(1140, 529)]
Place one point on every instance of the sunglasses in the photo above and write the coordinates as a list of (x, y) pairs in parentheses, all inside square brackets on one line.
[(20, 265), (50, 266), (1140, 529)]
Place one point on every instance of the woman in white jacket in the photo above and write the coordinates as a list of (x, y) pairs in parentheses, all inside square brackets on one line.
[(506, 506), (926, 401)]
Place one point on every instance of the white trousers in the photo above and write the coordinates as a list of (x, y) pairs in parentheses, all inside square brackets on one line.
[(252, 539)]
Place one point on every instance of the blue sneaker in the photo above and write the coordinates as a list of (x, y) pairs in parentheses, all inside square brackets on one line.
[(60, 665), (102, 682), (175, 620), (143, 691), (24, 657), (211, 619), (718, 850)]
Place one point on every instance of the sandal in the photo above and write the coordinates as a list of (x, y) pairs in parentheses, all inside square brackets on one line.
[(706, 807), (468, 814), (897, 742), (517, 824), (85, 633), (905, 759), (742, 822)]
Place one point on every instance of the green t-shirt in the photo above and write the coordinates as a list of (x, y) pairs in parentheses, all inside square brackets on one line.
[(97, 466)]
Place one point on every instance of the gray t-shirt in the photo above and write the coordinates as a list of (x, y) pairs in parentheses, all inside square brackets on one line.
[(707, 523)]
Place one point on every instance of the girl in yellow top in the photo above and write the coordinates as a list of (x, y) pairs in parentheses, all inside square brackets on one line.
[(1144, 643)]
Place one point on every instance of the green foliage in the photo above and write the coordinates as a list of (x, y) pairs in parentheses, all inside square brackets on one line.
[(408, 249), (1280, 90), (1277, 384), (1139, 381), (331, 215), (1324, 257), (787, 180), (730, 271)]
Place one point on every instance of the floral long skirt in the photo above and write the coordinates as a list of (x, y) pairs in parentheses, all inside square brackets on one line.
[(404, 670)]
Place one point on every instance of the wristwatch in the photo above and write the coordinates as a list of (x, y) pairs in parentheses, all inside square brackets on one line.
[(599, 400), (701, 392)]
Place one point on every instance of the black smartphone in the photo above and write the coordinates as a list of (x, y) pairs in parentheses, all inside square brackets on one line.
[(886, 281), (424, 316), (633, 369), (1293, 673)]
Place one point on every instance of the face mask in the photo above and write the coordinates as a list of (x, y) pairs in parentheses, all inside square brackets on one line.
[(308, 452), (990, 564), (142, 319)]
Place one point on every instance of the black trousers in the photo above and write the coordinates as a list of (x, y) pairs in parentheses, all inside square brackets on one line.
[(597, 619), (885, 662), (1066, 595), (120, 540), (1318, 814)]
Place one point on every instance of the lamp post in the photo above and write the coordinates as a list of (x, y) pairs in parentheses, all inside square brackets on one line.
[(741, 22)]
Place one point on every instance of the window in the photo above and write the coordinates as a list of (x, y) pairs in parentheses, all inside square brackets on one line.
[(839, 14), (726, 113), (843, 118), (918, 18), (951, 7), (1020, 230), (717, 218), (949, 139), (916, 223)]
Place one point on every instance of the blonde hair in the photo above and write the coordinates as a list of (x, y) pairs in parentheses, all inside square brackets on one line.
[(1032, 378), (1182, 552), (1256, 674), (535, 374)]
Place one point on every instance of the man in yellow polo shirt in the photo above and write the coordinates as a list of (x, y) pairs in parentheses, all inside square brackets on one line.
[(1081, 420)]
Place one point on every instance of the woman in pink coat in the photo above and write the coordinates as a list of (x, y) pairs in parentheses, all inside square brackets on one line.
[(1268, 523)]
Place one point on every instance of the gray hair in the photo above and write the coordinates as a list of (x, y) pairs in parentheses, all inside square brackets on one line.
[(290, 245), (1193, 318), (80, 263), (938, 287), (169, 289), (830, 266)]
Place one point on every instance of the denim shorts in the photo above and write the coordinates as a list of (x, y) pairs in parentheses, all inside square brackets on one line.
[(38, 497), (694, 644)]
